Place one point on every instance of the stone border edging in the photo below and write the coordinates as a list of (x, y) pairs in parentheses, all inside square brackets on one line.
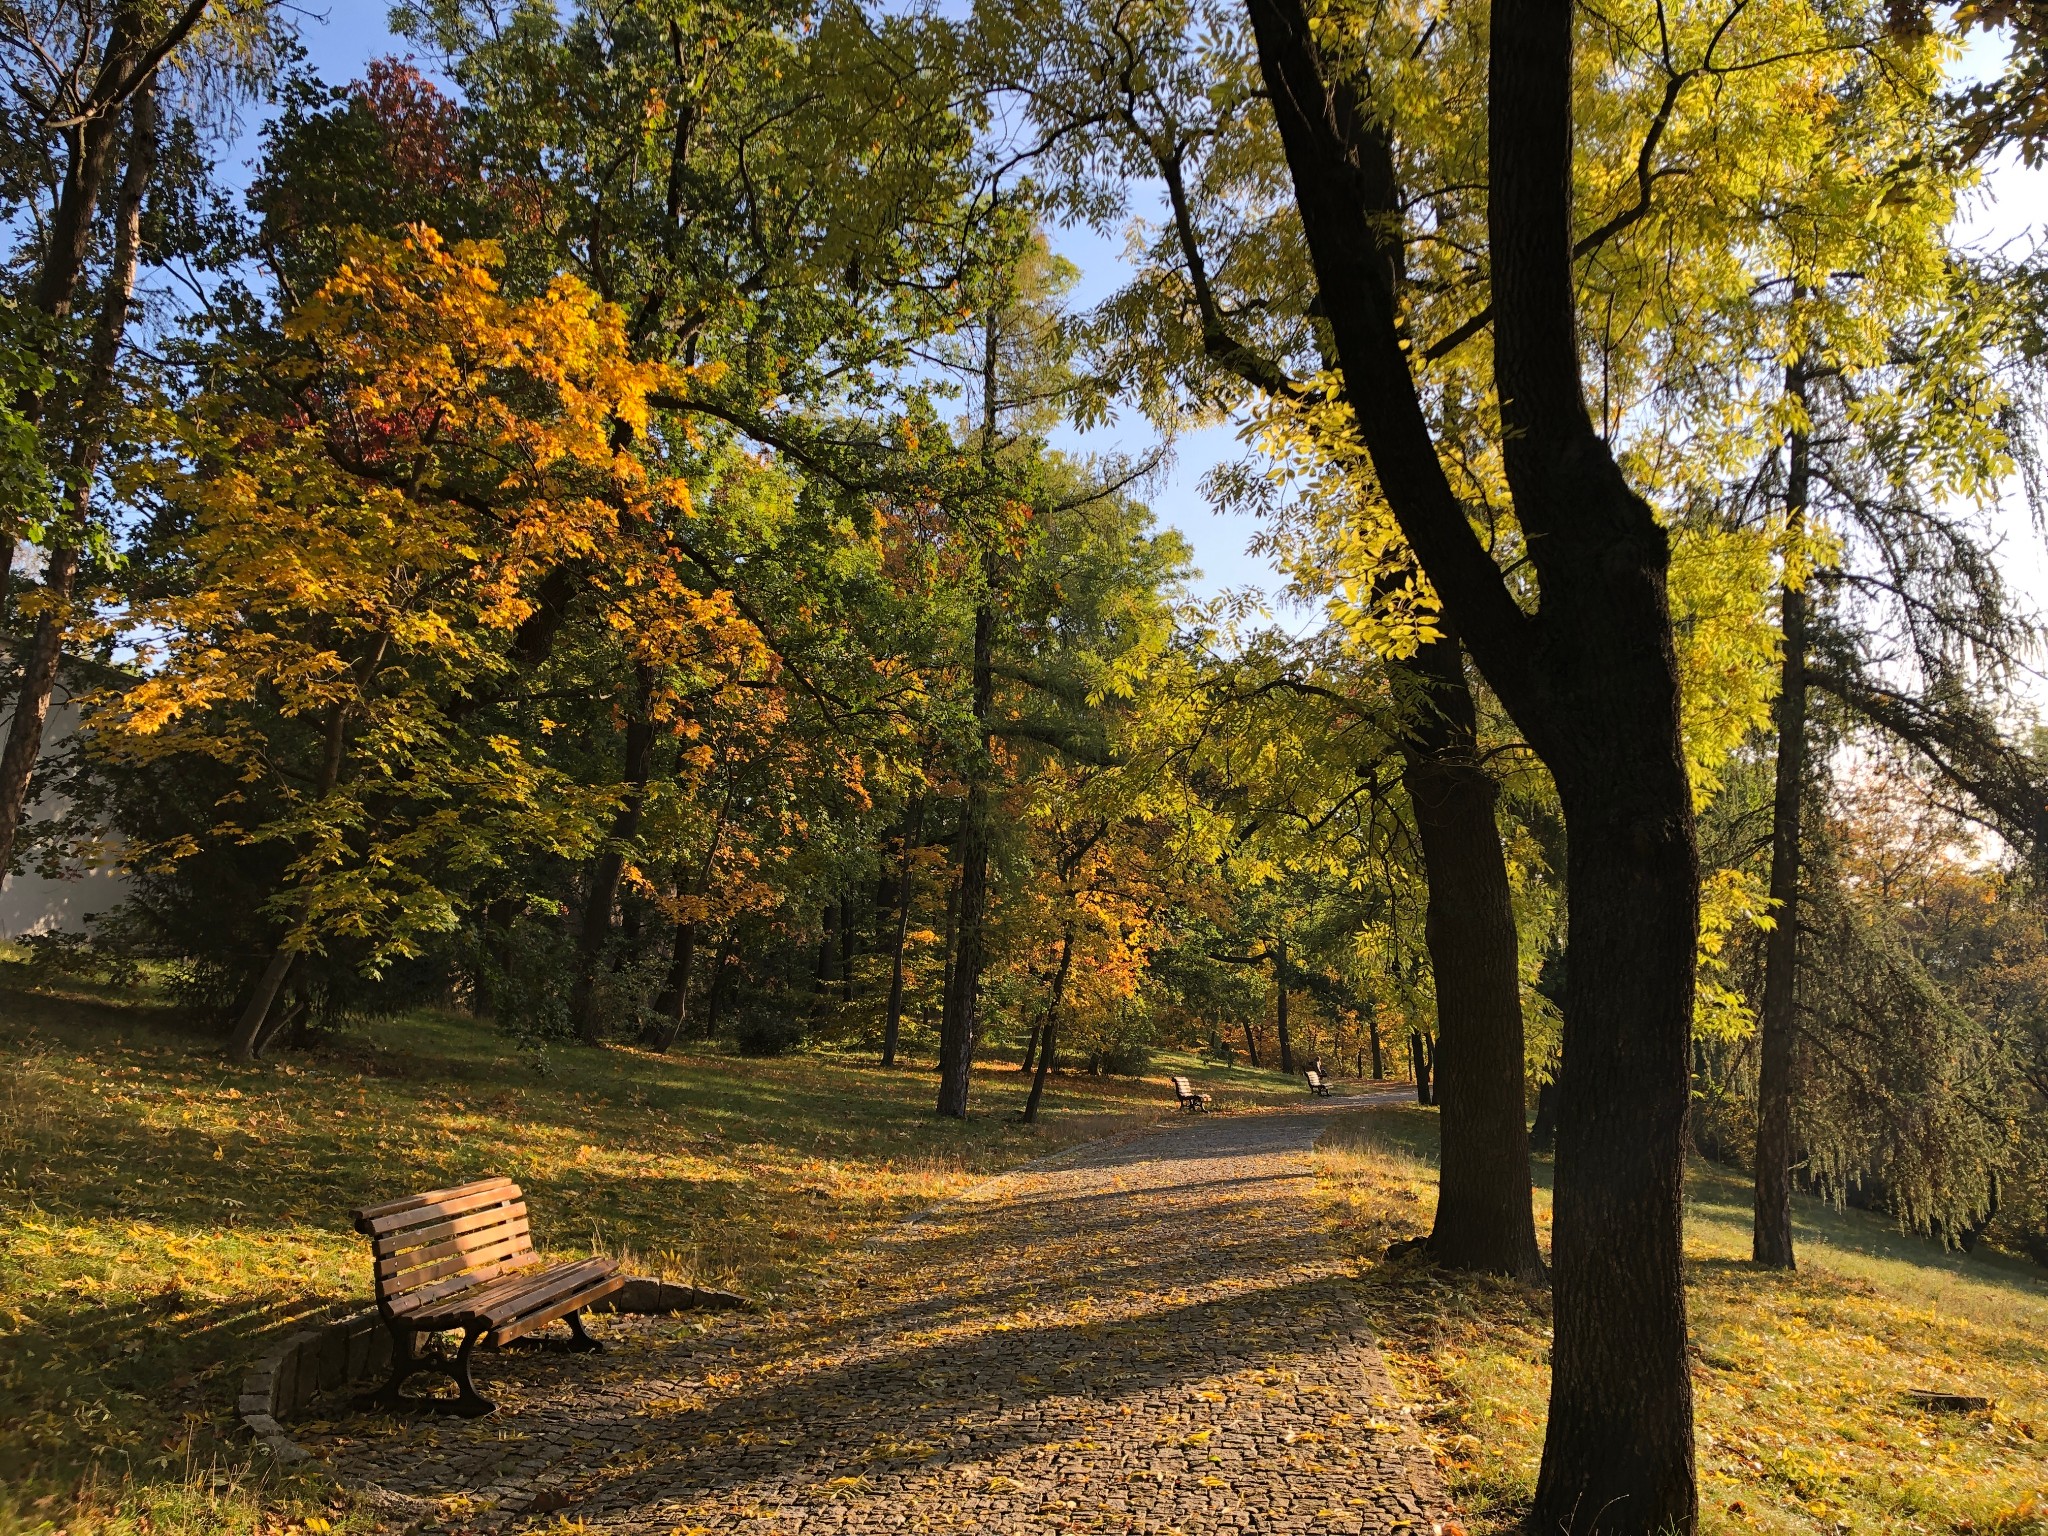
[(314, 1360)]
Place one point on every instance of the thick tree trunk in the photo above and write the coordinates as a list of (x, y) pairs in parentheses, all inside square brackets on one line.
[(1772, 1240), (960, 1022), (1485, 1218), (1620, 1432), (610, 866), (1049, 1031)]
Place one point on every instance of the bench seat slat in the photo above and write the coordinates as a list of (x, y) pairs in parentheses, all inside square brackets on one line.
[(469, 1280), (507, 1296), (455, 1226), (372, 1219), (599, 1288)]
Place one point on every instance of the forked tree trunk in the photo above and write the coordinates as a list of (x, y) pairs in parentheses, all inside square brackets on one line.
[(1771, 1244), (960, 1022), (1049, 1031), (1485, 1219), (1591, 680)]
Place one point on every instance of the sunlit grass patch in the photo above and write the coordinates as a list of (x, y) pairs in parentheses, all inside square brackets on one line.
[(1799, 1379), (163, 1214)]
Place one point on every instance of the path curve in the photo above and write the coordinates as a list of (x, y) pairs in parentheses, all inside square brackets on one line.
[(1155, 1335)]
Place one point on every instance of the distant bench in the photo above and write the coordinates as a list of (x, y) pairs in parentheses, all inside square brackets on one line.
[(463, 1258), (1318, 1084), (1184, 1091)]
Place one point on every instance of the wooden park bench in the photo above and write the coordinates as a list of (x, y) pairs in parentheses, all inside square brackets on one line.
[(463, 1258), (1184, 1091), (1317, 1084)]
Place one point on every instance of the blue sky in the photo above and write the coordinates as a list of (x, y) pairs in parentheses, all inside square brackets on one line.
[(2012, 208)]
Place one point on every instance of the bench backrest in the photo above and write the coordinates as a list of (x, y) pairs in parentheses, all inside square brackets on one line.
[(1184, 1088), (445, 1241), (1315, 1078)]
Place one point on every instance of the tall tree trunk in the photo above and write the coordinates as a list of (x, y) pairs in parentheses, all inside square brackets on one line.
[(97, 401), (1049, 1030), (1280, 1006), (1419, 1054), (960, 1022), (1251, 1044), (1485, 1218), (1591, 681), (892, 1024), (1379, 1069), (1031, 1047), (1772, 1241), (610, 866)]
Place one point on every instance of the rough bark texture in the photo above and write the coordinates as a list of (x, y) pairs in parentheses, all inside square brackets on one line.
[(1591, 680), (1485, 1219), (960, 1023), (1779, 1027)]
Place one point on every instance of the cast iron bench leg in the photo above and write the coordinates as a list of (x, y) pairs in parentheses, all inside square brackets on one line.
[(407, 1361)]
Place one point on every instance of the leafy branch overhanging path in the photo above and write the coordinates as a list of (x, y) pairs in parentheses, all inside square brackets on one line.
[(1154, 1336)]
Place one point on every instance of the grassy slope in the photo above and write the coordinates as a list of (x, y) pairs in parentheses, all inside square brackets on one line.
[(1797, 1378), (163, 1213)]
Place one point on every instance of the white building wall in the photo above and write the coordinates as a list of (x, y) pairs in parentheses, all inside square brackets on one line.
[(32, 903)]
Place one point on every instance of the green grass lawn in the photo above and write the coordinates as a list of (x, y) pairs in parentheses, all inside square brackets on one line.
[(163, 1213), (1798, 1379)]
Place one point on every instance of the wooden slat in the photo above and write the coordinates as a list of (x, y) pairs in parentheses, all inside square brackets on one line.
[(421, 1237), (475, 1252), (468, 1283), (559, 1281), (562, 1307), (392, 1258), (504, 1297), (508, 1297), (429, 1212), (389, 1208), (471, 1305)]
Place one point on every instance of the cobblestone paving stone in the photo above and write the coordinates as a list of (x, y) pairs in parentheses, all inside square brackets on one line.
[(1155, 1336)]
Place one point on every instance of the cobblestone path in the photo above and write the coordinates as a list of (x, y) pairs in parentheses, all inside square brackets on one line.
[(1150, 1337)]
